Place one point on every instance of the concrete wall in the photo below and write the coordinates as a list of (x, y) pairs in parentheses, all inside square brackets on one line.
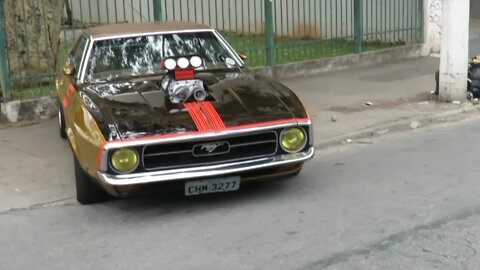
[(31, 31), (434, 21), (433, 27)]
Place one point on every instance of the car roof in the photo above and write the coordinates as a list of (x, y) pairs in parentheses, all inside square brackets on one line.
[(122, 29)]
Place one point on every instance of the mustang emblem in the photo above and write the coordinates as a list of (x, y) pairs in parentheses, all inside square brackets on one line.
[(211, 149)]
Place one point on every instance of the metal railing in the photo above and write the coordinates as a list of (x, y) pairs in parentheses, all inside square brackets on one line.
[(267, 31)]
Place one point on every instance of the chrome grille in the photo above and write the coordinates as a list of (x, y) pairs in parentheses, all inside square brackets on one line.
[(182, 154)]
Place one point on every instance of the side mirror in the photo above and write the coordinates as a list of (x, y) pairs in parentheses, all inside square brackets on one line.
[(69, 70), (243, 56)]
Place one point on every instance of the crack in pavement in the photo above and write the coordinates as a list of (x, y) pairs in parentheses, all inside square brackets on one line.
[(56, 203), (387, 242)]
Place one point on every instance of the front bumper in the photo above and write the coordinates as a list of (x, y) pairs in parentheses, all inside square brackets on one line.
[(205, 171)]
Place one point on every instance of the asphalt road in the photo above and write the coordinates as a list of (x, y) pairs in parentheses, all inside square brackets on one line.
[(402, 201)]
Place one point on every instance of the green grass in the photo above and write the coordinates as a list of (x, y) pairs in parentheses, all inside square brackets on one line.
[(31, 89), (77, 24), (292, 50), (62, 53), (253, 46), (34, 92)]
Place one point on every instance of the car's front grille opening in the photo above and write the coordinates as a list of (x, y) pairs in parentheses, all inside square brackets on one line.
[(207, 152)]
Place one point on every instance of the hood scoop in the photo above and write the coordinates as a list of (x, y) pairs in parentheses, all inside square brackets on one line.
[(184, 90)]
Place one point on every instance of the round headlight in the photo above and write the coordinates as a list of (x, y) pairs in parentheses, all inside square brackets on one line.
[(293, 139), (125, 160)]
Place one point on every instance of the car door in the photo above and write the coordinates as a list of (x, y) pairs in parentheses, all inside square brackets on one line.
[(68, 79)]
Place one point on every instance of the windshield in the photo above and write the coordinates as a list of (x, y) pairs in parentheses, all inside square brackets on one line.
[(136, 56)]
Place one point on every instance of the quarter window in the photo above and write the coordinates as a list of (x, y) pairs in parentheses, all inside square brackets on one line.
[(76, 54)]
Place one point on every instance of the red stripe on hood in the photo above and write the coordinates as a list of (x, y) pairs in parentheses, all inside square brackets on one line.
[(201, 122), (205, 116), (212, 114)]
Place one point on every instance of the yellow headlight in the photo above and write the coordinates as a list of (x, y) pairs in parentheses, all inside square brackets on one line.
[(125, 160), (293, 139)]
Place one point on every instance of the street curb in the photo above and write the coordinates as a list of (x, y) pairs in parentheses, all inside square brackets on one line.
[(399, 124), (33, 110), (44, 108), (315, 67)]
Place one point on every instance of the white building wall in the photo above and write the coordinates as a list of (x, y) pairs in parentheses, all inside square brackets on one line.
[(433, 27)]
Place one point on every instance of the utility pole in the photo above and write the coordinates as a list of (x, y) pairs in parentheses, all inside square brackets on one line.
[(454, 50), (358, 25)]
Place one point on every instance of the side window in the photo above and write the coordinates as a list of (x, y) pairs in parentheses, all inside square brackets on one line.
[(75, 56)]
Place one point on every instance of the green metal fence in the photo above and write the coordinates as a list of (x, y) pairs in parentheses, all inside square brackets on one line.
[(282, 31), (267, 31)]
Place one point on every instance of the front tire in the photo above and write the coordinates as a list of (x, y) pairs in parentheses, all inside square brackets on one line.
[(87, 191), (61, 123)]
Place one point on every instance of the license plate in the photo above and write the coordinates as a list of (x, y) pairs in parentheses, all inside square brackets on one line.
[(224, 184)]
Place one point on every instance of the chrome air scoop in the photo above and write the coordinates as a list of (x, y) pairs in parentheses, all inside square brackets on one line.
[(180, 83)]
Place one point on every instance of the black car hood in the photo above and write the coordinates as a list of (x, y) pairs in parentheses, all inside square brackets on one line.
[(137, 109)]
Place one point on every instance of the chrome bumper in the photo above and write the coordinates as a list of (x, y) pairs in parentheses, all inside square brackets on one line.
[(204, 171)]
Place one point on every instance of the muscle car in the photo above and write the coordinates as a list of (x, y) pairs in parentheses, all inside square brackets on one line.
[(148, 105)]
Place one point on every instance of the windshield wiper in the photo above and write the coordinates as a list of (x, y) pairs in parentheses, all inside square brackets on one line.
[(212, 70), (135, 77)]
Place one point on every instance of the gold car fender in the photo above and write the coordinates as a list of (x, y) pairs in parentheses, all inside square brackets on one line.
[(86, 139)]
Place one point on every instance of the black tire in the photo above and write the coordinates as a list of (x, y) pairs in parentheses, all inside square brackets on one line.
[(87, 191), (61, 123)]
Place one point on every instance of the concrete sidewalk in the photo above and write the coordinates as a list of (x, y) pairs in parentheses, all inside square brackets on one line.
[(399, 93)]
